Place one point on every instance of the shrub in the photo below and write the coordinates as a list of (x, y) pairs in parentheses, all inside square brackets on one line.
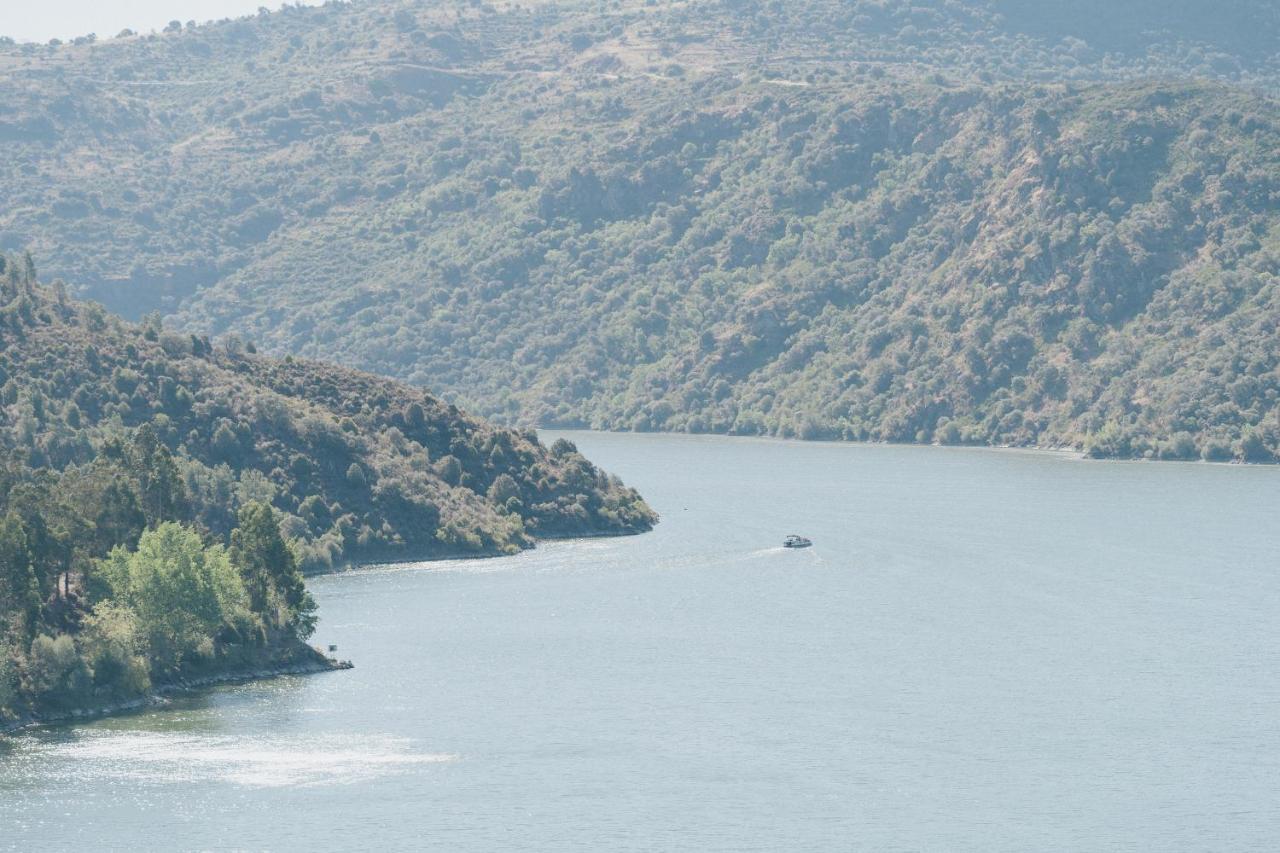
[(55, 671), (116, 649)]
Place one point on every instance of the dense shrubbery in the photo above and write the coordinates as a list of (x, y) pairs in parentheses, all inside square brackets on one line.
[(906, 221)]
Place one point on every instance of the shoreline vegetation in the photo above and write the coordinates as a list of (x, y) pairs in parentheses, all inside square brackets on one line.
[(307, 660), (163, 496), (1081, 454)]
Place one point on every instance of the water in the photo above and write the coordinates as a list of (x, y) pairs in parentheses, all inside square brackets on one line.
[(984, 650)]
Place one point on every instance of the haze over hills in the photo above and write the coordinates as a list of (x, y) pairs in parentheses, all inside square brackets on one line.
[(70, 19), (956, 222)]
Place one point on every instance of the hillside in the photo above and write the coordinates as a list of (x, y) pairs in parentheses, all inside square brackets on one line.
[(361, 467), (956, 222)]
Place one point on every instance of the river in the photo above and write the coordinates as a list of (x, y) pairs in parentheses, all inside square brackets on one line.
[(984, 650)]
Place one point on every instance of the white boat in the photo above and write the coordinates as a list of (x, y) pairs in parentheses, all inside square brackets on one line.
[(794, 541)]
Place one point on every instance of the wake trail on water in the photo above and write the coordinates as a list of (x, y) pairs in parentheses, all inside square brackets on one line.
[(693, 562)]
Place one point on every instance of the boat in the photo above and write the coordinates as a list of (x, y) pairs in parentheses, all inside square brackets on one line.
[(794, 541)]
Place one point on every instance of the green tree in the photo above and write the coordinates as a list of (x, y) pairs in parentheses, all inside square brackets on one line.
[(119, 520), (1253, 447), (19, 589), (162, 495), (270, 571), (34, 501), (182, 592), (414, 416), (504, 489), (8, 680), (225, 443), (355, 476)]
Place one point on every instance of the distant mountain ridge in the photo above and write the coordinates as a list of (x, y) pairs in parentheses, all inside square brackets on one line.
[(930, 221)]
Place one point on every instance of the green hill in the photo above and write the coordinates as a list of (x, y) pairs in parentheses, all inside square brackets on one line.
[(362, 467), (948, 221)]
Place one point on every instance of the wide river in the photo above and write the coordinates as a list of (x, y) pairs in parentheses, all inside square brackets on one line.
[(984, 650)]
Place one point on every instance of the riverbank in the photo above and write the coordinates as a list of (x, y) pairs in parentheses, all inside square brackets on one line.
[(306, 660), (458, 554), (549, 434)]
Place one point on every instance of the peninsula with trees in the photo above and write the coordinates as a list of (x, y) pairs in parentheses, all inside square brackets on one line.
[(162, 497)]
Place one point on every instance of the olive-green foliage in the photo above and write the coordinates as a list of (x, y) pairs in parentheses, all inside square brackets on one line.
[(19, 587), (54, 669), (909, 221)]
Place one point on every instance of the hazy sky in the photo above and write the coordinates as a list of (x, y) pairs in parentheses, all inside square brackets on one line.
[(41, 20)]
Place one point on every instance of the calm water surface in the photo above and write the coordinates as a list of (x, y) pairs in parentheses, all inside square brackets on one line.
[(983, 651)]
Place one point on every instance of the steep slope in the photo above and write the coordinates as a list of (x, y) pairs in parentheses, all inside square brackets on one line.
[(362, 467), (894, 263), (896, 221)]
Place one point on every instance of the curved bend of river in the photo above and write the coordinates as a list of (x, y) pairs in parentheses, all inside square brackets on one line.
[(984, 650)]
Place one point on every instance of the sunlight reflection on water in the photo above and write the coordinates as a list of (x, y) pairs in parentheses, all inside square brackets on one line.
[(261, 762)]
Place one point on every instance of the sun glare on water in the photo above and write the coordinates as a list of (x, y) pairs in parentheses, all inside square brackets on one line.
[(262, 762)]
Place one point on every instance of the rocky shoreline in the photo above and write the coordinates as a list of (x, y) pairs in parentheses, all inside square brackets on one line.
[(309, 662)]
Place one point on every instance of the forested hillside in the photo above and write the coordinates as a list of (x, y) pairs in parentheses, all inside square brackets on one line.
[(362, 468), (933, 221)]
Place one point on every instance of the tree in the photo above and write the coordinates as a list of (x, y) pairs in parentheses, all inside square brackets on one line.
[(182, 592), (19, 589), (355, 476), (450, 469), (225, 442), (115, 648), (504, 488), (28, 270), (8, 679), (1253, 447), (119, 520), (162, 495), (55, 669), (562, 447), (270, 571), (49, 550)]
